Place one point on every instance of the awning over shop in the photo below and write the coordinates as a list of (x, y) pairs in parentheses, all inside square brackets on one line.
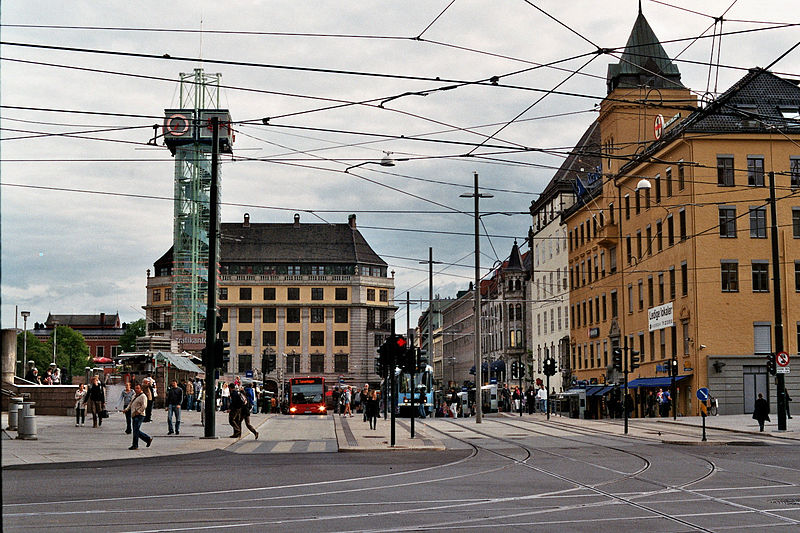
[(178, 361), (598, 391), (665, 381), (498, 366)]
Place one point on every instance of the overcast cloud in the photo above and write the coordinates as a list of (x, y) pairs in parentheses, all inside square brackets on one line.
[(65, 250)]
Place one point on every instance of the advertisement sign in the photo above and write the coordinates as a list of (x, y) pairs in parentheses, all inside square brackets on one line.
[(660, 317)]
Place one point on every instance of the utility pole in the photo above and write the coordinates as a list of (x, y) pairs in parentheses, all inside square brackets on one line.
[(776, 291), (477, 300), (625, 390), (211, 309), (411, 347)]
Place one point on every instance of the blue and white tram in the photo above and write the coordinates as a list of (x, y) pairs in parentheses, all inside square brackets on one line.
[(423, 388)]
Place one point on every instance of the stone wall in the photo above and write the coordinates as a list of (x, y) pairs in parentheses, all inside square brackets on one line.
[(50, 399)]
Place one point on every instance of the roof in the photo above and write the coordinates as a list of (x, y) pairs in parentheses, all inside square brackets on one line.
[(643, 62), (178, 361), (514, 263), (100, 320)]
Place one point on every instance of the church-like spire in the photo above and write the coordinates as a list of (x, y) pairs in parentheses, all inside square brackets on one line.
[(515, 259), (644, 61)]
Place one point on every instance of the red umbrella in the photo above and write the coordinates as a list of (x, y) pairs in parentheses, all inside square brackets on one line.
[(102, 360)]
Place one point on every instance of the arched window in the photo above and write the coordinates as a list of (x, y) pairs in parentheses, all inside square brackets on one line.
[(519, 285), (519, 312), (511, 285)]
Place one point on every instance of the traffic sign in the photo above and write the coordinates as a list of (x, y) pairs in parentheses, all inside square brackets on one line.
[(782, 359), (248, 373), (782, 370), (703, 394)]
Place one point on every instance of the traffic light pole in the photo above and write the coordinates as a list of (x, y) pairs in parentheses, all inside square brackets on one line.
[(547, 401), (776, 291), (211, 309), (625, 389), (411, 347), (673, 389), (393, 395), (519, 376)]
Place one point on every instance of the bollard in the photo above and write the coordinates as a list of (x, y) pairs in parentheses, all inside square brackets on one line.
[(27, 425), (13, 413)]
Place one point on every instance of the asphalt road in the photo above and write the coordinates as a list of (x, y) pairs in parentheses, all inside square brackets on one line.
[(505, 473)]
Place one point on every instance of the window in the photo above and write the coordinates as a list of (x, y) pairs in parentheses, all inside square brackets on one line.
[(638, 200), (755, 171), (630, 298), (614, 311), (293, 270), (612, 260), (317, 338), (269, 293), (383, 295), (156, 295), (682, 224), (639, 244), (663, 343), (293, 293), (245, 338), (168, 294), (659, 235), (796, 222), (657, 181), (317, 293), (293, 315), (292, 339), (797, 277), (794, 172), (650, 291), (317, 363), (268, 315), (681, 176), (340, 315), (647, 198), (725, 171), (670, 231), (340, 363), (649, 243), (293, 360), (370, 295), (628, 248), (760, 276), (672, 283), (660, 287), (627, 206), (758, 222), (341, 293), (641, 294), (269, 338), (317, 315), (727, 222), (668, 180), (245, 362), (762, 338), (684, 279), (245, 293), (101, 350), (245, 315), (340, 338), (730, 275)]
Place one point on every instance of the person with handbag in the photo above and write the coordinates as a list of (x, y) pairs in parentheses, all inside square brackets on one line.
[(137, 408), (80, 405), (96, 401)]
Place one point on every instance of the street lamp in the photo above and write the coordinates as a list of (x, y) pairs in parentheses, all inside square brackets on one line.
[(25, 315), (386, 161), (477, 299), (55, 330)]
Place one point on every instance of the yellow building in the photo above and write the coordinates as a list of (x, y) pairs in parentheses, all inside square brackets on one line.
[(691, 243), (315, 294)]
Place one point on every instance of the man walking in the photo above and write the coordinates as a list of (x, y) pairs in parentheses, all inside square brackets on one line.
[(190, 395), (137, 409), (147, 388), (174, 401), (235, 412)]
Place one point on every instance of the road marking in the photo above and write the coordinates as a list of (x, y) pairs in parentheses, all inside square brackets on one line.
[(283, 447)]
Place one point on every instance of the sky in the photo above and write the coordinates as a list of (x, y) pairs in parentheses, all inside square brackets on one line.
[(85, 202)]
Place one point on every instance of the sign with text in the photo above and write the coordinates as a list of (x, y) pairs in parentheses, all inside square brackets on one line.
[(660, 317)]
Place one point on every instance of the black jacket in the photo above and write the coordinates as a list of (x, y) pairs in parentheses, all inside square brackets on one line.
[(174, 396)]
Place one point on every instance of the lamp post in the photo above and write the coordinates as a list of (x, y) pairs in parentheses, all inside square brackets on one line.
[(477, 299), (25, 315), (776, 289), (55, 331), (386, 161), (643, 184)]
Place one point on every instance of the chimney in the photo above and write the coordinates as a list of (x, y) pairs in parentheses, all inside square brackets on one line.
[(102, 320), (246, 223), (351, 220), (296, 220)]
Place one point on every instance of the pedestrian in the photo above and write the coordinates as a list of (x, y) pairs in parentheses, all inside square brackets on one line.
[(247, 408), (80, 405), (190, 395), (541, 397), (137, 409), (422, 411), (226, 397), (250, 392), (786, 402), (198, 393), (234, 411), (371, 408), (336, 397), (365, 395), (29, 374), (506, 397), (517, 396), (651, 405), (174, 400), (48, 377), (56, 376), (628, 405), (148, 386), (96, 401), (125, 398), (761, 411), (348, 398), (530, 400)]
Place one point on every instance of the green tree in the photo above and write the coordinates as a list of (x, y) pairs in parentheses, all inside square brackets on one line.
[(134, 329), (72, 352), (39, 352)]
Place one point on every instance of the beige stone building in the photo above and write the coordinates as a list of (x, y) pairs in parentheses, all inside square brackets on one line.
[(695, 244)]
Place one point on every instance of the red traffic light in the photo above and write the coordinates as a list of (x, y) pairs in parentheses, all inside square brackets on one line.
[(400, 342)]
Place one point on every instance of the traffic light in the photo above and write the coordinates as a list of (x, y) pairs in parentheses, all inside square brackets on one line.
[(514, 370), (378, 366), (616, 355), (673, 367), (549, 367), (634, 362), (422, 360), (222, 353), (268, 361), (206, 359), (771, 366)]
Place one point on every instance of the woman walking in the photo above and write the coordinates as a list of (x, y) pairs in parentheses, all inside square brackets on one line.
[(761, 411), (96, 401), (371, 408), (80, 405)]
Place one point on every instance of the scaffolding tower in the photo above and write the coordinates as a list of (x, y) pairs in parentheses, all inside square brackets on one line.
[(187, 135)]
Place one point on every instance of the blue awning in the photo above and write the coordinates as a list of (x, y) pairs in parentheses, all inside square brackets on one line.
[(665, 381), (599, 391), (498, 366)]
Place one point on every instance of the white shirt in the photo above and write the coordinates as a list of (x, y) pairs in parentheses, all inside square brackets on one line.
[(542, 394)]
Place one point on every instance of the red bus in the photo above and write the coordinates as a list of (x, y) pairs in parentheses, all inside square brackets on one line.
[(307, 395)]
